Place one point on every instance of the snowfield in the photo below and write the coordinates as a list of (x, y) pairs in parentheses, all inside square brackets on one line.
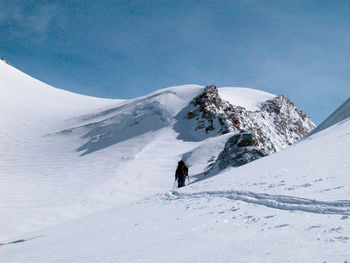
[(244, 97), (90, 180)]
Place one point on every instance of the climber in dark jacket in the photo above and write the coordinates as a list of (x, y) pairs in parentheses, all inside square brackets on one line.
[(181, 173)]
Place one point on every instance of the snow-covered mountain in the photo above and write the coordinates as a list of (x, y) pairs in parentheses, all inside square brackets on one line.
[(264, 127), (273, 124), (89, 180)]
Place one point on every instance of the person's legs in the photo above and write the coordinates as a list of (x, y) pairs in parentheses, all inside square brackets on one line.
[(181, 182)]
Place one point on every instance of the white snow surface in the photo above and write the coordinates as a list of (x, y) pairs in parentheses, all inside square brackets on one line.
[(116, 203), (245, 97), (340, 114)]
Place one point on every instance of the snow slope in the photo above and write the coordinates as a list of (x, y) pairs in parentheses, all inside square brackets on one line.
[(64, 199), (296, 211), (44, 178), (245, 97), (340, 114), (34, 174)]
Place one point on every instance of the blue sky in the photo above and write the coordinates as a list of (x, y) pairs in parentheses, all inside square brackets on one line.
[(125, 49)]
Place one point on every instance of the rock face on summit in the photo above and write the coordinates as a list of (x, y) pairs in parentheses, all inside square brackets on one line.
[(277, 124)]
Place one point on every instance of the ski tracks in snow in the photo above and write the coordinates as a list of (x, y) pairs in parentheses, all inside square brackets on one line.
[(280, 202)]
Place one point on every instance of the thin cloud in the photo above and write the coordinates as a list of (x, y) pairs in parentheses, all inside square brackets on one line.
[(27, 20)]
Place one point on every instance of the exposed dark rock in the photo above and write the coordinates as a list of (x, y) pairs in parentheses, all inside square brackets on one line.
[(289, 120), (276, 125), (240, 149)]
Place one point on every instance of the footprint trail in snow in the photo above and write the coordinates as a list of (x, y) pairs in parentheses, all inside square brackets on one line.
[(282, 202)]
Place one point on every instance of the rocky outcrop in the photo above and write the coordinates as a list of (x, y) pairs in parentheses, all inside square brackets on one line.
[(290, 122), (240, 149), (210, 110), (207, 116), (277, 124)]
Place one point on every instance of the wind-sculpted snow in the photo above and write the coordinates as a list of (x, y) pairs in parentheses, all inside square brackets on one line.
[(129, 120), (123, 125), (273, 201)]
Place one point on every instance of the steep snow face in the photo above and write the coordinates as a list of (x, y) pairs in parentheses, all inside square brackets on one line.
[(340, 114)]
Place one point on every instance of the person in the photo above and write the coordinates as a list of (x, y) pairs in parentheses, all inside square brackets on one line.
[(181, 173)]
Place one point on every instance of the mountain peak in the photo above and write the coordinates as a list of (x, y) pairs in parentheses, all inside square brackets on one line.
[(275, 125)]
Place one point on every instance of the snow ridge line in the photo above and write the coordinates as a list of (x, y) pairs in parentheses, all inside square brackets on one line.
[(281, 202)]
